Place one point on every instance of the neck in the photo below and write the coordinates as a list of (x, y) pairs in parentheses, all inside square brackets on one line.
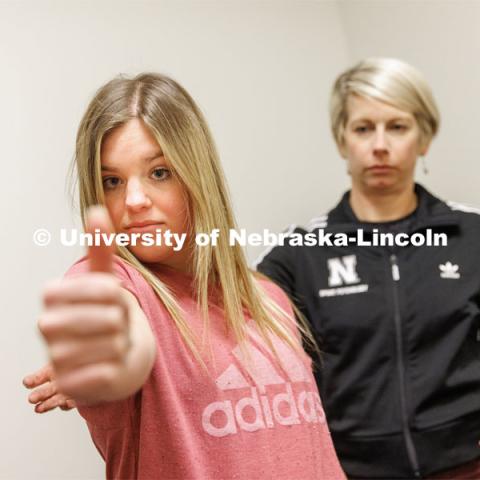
[(378, 206)]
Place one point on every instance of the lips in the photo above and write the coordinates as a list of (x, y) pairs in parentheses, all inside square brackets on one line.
[(147, 225), (380, 169)]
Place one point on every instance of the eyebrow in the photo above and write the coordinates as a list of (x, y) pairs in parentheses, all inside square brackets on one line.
[(393, 119), (149, 159), (156, 155)]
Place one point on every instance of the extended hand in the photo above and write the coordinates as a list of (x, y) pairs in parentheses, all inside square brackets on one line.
[(45, 395), (85, 324)]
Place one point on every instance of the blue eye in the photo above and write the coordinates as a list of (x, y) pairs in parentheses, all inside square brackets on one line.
[(109, 183), (160, 173)]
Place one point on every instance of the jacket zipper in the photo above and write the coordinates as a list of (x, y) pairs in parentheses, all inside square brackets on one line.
[(412, 454)]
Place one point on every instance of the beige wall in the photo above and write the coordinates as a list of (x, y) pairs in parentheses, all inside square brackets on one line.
[(442, 39), (261, 71)]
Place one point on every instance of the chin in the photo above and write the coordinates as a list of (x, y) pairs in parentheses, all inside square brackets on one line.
[(382, 183), (153, 254)]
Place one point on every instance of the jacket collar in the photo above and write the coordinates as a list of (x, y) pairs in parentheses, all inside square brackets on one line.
[(430, 212)]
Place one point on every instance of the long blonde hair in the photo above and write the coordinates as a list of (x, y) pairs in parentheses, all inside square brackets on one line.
[(182, 132)]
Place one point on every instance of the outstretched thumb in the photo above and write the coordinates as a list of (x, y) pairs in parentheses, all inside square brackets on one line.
[(100, 253)]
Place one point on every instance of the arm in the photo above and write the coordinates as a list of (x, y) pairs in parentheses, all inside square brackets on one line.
[(140, 357), (137, 365), (279, 266), (99, 340), (282, 265)]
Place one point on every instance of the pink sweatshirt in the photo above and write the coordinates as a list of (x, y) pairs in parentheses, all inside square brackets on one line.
[(256, 418)]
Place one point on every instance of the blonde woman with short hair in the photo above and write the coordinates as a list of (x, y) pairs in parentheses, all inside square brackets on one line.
[(397, 320), (183, 362)]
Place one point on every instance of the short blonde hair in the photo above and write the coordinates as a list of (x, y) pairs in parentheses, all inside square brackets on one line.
[(390, 81)]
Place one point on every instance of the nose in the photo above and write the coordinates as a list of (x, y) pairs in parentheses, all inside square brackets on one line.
[(380, 142), (136, 197)]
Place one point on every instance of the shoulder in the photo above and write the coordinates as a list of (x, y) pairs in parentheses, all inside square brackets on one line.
[(467, 217), (317, 222), (290, 241), (437, 206), (465, 213), (274, 292)]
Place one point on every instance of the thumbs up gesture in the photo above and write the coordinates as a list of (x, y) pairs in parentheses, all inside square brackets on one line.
[(85, 322)]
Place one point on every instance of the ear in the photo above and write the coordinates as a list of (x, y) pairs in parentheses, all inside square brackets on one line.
[(424, 147), (342, 150)]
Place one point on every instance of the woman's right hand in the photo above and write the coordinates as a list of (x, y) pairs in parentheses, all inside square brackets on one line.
[(85, 323)]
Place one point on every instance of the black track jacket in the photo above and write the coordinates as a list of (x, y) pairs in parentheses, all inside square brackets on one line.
[(399, 331)]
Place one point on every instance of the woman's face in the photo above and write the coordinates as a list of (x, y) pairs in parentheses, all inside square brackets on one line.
[(142, 194), (381, 145)]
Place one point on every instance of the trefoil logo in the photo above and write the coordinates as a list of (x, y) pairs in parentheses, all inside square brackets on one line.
[(448, 270)]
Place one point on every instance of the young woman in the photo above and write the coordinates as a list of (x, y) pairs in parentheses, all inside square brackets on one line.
[(183, 362), (398, 324)]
